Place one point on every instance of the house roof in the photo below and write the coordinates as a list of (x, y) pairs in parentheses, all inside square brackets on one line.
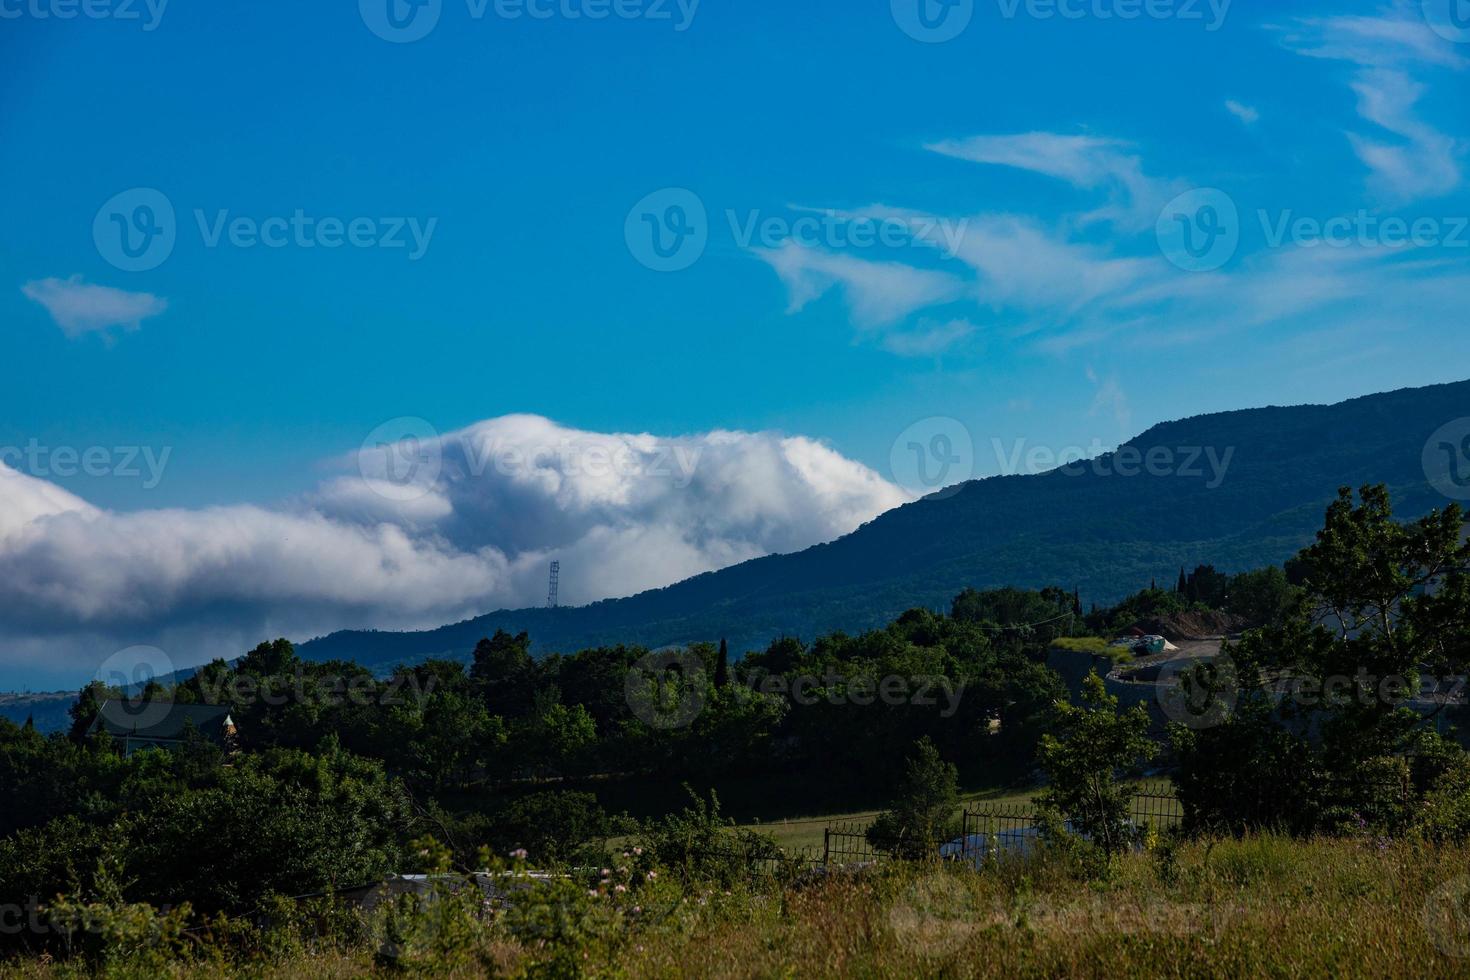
[(159, 719)]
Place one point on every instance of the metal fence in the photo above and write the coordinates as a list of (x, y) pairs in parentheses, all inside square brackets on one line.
[(986, 829)]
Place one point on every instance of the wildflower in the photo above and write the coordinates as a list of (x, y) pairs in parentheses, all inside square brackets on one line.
[(638, 850), (519, 854), (607, 872), (652, 875), (620, 888), (592, 893)]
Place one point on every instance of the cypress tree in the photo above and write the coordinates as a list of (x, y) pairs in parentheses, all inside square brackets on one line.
[(722, 667)]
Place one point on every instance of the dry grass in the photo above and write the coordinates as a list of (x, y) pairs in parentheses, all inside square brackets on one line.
[(1266, 907)]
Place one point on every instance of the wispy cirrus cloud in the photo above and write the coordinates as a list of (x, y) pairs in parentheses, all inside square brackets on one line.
[(929, 338), (878, 293), (1246, 114), (1085, 162), (1388, 50), (79, 307)]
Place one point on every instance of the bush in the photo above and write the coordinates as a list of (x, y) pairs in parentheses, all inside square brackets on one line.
[(923, 812), (700, 845), (1445, 814)]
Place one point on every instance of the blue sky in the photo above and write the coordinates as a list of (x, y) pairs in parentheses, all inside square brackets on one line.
[(1052, 146)]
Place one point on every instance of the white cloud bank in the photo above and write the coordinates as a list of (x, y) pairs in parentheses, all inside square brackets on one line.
[(473, 532)]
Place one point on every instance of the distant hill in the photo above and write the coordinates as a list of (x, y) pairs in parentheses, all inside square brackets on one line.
[(1085, 526), (48, 711)]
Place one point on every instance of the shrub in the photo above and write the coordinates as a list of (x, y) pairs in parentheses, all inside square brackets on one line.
[(923, 812), (698, 844)]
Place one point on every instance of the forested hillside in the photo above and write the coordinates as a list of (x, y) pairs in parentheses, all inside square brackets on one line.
[(1239, 489)]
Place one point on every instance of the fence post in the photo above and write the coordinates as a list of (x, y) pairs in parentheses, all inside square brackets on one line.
[(826, 846)]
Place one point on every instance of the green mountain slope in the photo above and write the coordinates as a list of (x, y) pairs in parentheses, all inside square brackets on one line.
[(1088, 526)]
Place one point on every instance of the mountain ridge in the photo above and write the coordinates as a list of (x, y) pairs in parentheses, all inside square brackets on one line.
[(1097, 530)]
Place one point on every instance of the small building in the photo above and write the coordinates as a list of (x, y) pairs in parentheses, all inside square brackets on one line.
[(138, 725)]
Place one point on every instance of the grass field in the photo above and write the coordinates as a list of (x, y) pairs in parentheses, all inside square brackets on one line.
[(806, 832), (1260, 907)]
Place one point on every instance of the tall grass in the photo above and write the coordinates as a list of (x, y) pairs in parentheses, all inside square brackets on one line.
[(1259, 907)]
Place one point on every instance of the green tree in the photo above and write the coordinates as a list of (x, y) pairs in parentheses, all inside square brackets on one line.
[(1092, 747), (503, 670), (1381, 602), (86, 709), (923, 810), (722, 666)]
